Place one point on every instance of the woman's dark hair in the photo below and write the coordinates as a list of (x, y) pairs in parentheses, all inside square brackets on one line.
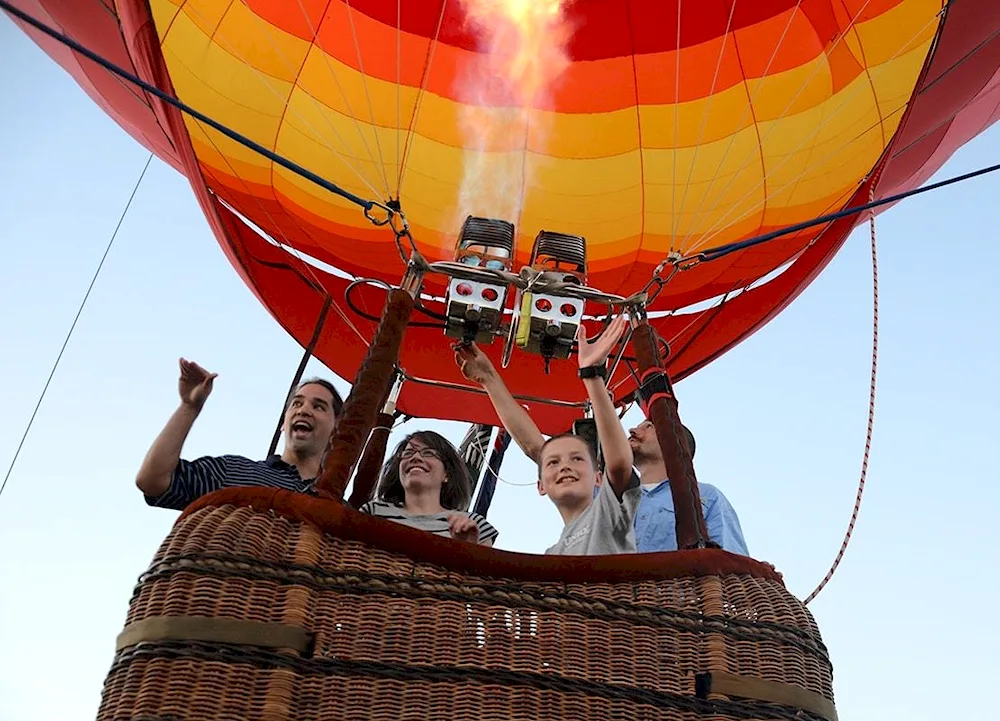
[(455, 494)]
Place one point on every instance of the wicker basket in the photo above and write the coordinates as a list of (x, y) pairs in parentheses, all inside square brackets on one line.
[(268, 605)]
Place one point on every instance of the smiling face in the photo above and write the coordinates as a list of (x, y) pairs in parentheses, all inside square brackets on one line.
[(424, 460), (421, 467), (309, 420), (567, 470)]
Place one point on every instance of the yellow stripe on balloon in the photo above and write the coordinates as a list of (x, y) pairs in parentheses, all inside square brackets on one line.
[(705, 168), (163, 13), (269, 50), (906, 27)]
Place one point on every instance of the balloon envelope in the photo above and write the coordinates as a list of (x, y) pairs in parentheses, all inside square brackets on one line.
[(650, 127)]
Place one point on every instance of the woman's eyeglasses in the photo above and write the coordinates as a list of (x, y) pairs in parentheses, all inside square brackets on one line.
[(422, 452)]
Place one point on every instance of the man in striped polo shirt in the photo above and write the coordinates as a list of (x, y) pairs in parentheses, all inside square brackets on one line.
[(168, 481)]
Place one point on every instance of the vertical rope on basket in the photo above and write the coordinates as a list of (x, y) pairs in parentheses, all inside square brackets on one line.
[(661, 409), (371, 385)]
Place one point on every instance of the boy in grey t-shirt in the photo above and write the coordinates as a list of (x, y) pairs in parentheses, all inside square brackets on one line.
[(567, 464), (605, 524)]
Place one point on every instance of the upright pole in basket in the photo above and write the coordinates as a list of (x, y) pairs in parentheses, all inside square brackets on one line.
[(658, 402), (370, 388)]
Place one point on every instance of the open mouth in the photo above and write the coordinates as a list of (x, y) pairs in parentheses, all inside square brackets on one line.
[(566, 479), (301, 428)]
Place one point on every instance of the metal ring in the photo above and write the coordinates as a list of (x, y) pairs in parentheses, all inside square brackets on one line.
[(376, 221), (369, 281)]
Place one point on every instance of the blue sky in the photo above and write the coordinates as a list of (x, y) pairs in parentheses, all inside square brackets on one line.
[(780, 420)]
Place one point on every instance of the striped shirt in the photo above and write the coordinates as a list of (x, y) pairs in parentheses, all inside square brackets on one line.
[(192, 479), (436, 523)]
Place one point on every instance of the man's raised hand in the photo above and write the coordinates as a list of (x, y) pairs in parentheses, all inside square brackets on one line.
[(195, 384)]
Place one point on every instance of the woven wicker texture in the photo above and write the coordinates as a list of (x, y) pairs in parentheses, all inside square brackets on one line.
[(399, 638)]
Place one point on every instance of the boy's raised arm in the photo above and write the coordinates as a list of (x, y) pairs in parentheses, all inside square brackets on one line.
[(477, 368), (614, 443)]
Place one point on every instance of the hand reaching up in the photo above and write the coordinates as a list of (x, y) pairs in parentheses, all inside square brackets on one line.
[(195, 384), (596, 353), (473, 363)]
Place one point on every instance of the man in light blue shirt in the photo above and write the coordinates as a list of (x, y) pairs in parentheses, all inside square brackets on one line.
[(655, 525)]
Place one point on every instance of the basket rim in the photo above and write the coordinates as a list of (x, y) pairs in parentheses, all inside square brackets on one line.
[(336, 518)]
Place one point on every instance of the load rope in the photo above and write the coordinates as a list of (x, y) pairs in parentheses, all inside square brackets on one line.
[(871, 416), (72, 327)]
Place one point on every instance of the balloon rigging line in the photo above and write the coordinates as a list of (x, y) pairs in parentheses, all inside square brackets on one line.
[(871, 420), (702, 256), (364, 86), (719, 225), (711, 96), (343, 96), (287, 246), (418, 103), (399, 83), (727, 218), (72, 327), (723, 250), (297, 378), (282, 97), (184, 108)]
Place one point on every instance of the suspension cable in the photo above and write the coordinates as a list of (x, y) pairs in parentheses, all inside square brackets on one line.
[(184, 108), (871, 419), (723, 250), (72, 327)]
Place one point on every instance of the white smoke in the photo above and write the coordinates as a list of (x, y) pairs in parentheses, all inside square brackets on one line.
[(523, 43)]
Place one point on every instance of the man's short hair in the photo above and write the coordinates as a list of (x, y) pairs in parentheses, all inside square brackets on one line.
[(690, 438), (338, 402), (687, 434)]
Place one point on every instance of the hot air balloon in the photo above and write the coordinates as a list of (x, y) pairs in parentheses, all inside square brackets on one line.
[(657, 136), (520, 166)]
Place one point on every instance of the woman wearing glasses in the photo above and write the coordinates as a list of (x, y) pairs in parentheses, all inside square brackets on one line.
[(425, 484)]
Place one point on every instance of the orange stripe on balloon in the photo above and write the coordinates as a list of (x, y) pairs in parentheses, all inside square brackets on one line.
[(370, 247), (300, 18), (575, 90)]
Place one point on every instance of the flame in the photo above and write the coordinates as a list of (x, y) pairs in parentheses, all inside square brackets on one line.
[(506, 93)]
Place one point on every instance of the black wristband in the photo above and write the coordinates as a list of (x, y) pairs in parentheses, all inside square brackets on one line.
[(598, 371)]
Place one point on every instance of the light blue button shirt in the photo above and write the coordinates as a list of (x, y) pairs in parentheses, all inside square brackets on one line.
[(656, 526)]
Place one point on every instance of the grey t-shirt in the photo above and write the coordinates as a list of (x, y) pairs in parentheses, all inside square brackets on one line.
[(605, 528)]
